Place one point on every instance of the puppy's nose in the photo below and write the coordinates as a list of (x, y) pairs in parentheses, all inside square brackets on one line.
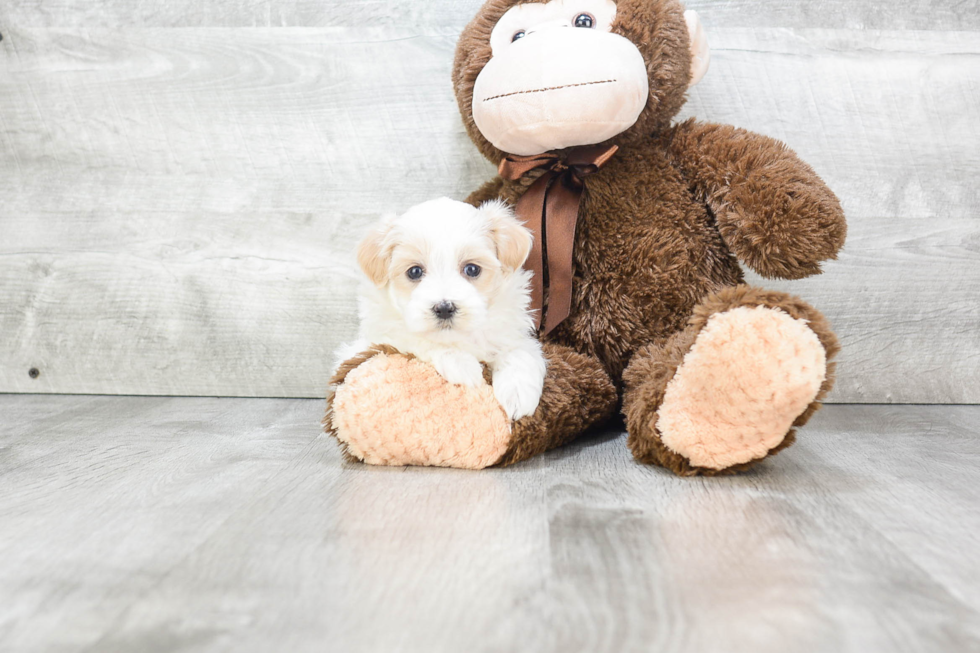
[(444, 310)]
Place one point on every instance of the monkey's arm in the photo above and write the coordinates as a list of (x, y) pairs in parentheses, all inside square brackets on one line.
[(488, 191), (773, 211)]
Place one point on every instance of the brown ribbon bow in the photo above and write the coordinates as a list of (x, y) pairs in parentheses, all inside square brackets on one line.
[(549, 209)]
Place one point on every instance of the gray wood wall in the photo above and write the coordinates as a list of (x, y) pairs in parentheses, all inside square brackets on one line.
[(182, 181)]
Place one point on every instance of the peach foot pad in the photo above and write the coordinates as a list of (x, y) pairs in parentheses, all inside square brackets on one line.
[(749, 375), (395, 410)]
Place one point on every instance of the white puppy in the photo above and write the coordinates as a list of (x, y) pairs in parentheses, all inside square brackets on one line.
[(446, 285)]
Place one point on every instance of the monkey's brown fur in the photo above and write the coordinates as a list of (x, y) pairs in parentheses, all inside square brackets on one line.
[(661, 231)]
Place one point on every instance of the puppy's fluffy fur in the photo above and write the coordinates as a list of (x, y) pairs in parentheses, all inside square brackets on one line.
[(445, 284)]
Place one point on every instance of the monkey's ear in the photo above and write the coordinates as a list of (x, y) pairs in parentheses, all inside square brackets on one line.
[(511, 237), (374, 252), (700, 53)]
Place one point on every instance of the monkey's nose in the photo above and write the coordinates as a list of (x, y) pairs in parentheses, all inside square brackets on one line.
[(444, 310)]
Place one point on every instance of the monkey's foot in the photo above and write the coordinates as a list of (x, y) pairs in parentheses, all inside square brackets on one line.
[(390, 409), (751, 372), (387, 408)]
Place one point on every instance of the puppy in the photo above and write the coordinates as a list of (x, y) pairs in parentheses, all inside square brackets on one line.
[(446, 285)]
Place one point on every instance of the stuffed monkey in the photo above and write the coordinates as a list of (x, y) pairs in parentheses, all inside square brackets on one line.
[(641, 228)]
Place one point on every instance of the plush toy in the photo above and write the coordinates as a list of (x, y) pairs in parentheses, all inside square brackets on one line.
[(640, 226)]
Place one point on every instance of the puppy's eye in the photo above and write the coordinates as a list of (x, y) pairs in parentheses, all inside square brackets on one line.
[(585, 20), (472, 270), (415, 272), (518, 35)]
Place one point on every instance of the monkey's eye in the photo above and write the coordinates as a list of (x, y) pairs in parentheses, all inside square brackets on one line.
[(518, 35), (472, 270), (415, 272), (585, 20)]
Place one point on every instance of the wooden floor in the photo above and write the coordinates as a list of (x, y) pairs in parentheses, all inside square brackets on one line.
[(158, 524)]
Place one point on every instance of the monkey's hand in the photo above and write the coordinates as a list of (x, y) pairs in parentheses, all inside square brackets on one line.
[(773, 211)]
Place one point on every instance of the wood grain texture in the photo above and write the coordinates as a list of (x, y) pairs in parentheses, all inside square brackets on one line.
[(155, 524), (180, 203), (203, 200), (453, 14)]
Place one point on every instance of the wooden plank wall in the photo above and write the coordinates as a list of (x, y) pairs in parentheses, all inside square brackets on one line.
[(182, 181)]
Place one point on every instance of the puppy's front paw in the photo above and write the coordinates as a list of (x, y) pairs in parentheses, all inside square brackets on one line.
[(518, 390), (458, 368)]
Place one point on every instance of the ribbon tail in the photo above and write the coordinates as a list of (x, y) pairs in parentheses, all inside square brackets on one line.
[(551, 213), (561, 214), (530, 209)]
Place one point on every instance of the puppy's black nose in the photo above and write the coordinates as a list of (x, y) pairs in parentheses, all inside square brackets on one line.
[(444, 310)]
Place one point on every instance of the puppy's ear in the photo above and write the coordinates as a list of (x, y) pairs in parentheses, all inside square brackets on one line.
[(512, 238), (374, 252)]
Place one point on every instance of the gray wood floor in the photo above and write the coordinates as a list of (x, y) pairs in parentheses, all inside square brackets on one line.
[(161, 524)]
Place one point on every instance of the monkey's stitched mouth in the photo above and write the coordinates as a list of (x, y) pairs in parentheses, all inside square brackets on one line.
[(550, 88)]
